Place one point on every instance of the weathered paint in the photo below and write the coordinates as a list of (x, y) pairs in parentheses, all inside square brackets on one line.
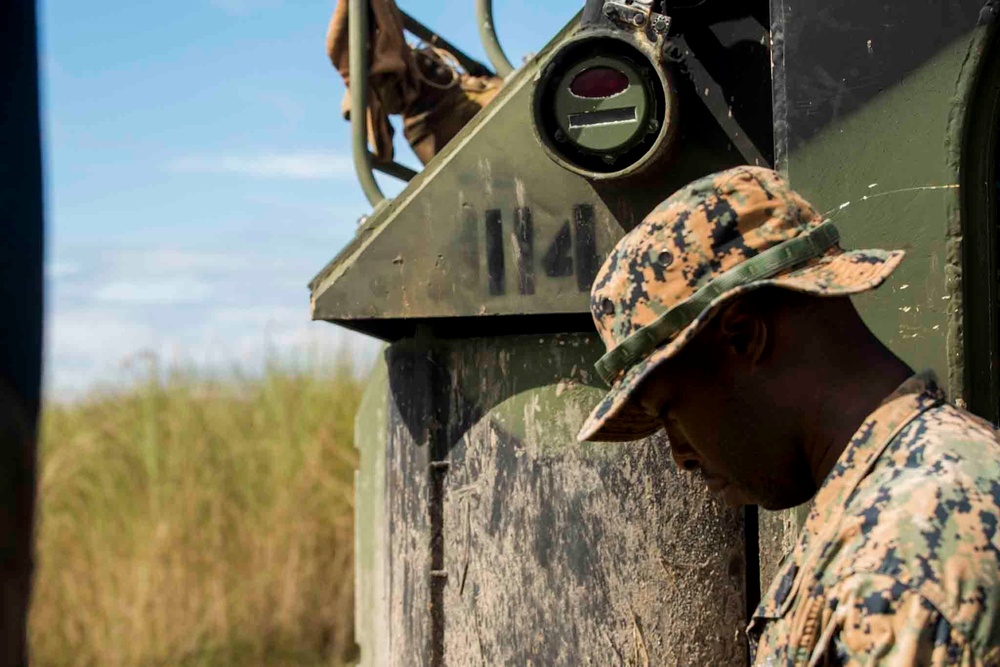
[(869, 106), (371, 574), (505, 542), (510, 543), (884, 165), (470, 236)]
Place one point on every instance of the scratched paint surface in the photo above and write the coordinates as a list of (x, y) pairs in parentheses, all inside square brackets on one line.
[(870, 100), (371, 529), (492, 226), (511, 544)]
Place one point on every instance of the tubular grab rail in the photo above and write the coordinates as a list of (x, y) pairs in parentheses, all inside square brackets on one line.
[(488, 35), (357, 32), (357, 26), (471, 65)]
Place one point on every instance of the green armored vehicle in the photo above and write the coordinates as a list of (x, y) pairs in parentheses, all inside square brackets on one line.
[(485, 533)]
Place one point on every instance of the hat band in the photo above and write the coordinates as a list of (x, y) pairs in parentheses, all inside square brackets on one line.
[(808, 245)]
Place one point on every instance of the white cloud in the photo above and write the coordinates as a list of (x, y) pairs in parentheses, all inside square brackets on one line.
[(259, 317), (163, 292), (93, 334), (107, 344), (289, 341), (301, 166), (87, 346), (57, 270), (212, 308), (169, 260)]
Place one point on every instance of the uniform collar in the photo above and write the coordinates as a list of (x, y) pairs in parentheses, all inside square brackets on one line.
[(916, 395)]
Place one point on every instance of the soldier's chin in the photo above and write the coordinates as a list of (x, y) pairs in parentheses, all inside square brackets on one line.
[(734, 497), (785, 498), (772, 505)]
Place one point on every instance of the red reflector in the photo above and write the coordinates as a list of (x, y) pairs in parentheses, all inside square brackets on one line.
[(599, 82)]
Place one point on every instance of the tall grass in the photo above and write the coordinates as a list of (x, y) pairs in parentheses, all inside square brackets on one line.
[(196, 522)]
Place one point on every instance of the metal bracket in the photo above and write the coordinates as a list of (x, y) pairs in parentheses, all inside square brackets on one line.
[(988, 14), (491, 43), (637, 14), (678, 51)]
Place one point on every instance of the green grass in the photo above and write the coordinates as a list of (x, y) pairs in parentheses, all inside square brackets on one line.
[(198, 523)]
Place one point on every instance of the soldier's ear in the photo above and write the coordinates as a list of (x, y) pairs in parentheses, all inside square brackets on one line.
[(744, 331)]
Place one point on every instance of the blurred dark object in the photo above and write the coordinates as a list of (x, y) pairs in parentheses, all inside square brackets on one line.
[(21, 331), (426, 85)]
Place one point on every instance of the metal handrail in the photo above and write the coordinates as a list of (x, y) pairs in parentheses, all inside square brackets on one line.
[(357, 36), (357, 32), (402, 172), (488, 34), (471, 65)]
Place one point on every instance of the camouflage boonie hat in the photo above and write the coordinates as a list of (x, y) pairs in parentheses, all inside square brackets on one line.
[(716, 238)]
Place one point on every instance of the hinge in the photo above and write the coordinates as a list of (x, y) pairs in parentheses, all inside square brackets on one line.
[(637, 14)]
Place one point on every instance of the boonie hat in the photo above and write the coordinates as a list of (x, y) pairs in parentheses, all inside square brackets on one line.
[(718, 237)]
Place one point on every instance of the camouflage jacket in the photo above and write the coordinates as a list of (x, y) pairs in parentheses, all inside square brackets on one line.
[(897, 563)]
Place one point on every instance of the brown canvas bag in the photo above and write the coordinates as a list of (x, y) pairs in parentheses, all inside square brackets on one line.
[(424, 85)]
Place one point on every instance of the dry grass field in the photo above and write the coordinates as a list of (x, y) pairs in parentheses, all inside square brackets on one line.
[(195, 522)]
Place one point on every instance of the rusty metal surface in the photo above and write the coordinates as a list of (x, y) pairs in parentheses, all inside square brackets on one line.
[(509, 543)]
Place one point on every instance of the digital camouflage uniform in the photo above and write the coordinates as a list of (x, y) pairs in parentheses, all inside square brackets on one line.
[(898, 561)]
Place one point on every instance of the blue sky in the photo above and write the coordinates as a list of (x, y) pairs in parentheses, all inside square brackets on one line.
[(198, 174)]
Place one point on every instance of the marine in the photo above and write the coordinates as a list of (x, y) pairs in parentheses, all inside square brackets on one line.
[(728, 323)]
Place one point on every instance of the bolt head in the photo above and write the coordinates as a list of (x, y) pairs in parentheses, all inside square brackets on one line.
[(559, 136), (639, 19), (609, 159), (609, 11)]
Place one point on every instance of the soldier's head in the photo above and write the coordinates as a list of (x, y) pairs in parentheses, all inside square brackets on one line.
[(723, 313)]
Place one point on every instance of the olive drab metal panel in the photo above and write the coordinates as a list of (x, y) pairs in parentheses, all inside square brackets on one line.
[(511, 544), (870, 105), (488, 536), (485, 533), (493, 227), (869, 129)]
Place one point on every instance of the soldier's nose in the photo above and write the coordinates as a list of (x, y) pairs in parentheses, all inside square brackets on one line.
[(681, 451)]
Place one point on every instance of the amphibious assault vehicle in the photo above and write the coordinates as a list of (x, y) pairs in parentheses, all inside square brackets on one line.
[(485, 533)]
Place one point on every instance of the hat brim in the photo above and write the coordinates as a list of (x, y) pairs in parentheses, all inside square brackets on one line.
[(618, 419)]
